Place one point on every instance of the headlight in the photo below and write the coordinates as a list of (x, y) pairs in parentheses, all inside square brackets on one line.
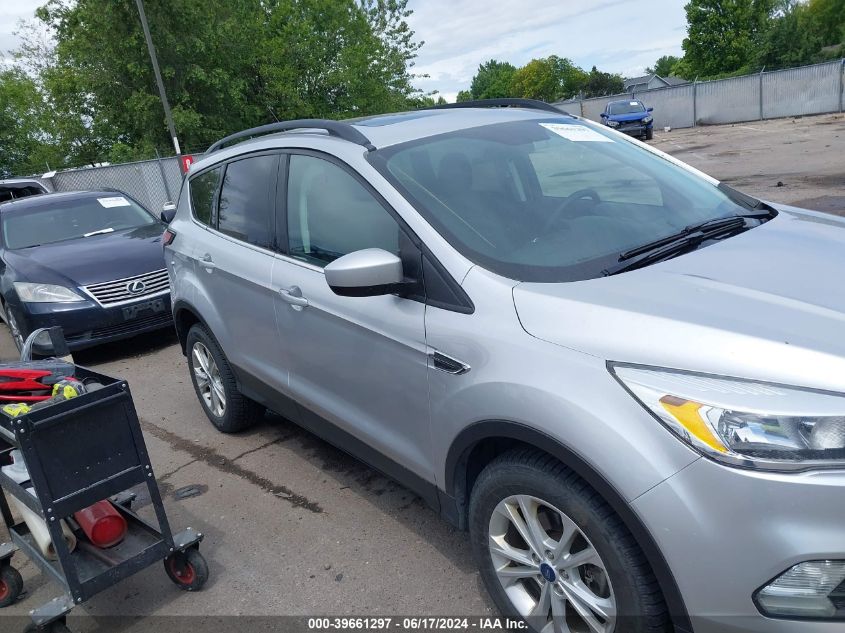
[(743, 422), (45, 293), (648, 119), (613, 123)]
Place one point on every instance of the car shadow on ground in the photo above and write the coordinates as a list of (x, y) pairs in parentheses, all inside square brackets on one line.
[(136, 346)]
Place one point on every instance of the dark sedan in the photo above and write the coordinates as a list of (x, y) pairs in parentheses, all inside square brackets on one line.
[(90, 262)]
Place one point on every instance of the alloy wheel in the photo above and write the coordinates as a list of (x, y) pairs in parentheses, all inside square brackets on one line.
[(208, 381), (549, 569)]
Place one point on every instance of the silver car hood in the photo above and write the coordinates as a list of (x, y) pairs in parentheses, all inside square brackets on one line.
[(766, 304)]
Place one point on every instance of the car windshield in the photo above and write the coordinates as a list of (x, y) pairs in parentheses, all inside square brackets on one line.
[(625, 107), (548, 200), (71, 219)]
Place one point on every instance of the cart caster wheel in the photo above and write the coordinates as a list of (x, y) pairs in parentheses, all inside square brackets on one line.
[(187, 569), (11, 585)]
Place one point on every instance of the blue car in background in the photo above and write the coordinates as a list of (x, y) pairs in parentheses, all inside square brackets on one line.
[(629, 116), (89, 261)]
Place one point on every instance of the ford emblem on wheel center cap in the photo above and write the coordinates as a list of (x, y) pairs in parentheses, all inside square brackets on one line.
[(136, 287), (547, 572)]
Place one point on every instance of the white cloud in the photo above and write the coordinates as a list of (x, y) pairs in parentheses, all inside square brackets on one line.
[(621, 36), (10, 14)]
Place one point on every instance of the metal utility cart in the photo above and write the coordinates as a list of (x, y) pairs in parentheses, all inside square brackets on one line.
[(78, 452)]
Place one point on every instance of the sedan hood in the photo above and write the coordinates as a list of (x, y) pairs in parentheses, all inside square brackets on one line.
[(767, 304), (631, 116), (92, 259)]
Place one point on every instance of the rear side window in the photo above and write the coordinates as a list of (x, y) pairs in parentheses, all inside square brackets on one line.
[(203, 188), (245, 211)]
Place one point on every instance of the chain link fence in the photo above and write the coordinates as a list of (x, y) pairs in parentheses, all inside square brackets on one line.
[(150, 182), (816, 89)]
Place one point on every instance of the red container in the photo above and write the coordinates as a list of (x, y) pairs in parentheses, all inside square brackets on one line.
[(103, 525)]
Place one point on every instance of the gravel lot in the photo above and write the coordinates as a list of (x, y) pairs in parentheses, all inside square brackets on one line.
[(805, 155), (296, 527)]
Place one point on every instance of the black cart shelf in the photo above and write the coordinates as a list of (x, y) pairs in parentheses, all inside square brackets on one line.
[(78, 452)]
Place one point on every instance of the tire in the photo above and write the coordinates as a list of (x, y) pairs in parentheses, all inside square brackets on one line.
[(11, 585), (188, 570), (551, 571), (217, 379), (649, 134), (17, 333)]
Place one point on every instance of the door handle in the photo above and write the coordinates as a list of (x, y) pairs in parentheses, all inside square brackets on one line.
[(207, 262), (293, 296)]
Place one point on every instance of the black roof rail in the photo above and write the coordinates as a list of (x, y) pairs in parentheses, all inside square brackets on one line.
[(534, 104), (334, 128)]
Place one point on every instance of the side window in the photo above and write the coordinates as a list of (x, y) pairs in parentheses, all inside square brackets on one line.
[(331, 214), (203, 188), (245, 211)]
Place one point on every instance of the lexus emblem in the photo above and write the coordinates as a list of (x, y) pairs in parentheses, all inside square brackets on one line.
[(136, 287)]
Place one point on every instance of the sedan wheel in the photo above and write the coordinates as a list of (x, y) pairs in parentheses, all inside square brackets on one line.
[(548, 568), (208, 381), (14, 329)]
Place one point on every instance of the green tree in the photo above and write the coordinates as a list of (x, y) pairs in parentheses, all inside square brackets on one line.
[(493, 80), (599, 84), (225, 65), (21, 108), (723, 35), (463, 95), (664, 66), (548, 79), (802, 33)]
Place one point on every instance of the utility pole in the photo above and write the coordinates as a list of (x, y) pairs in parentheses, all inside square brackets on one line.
[(157, 72)]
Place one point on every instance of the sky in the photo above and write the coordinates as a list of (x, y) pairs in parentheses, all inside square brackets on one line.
[(619, 36)]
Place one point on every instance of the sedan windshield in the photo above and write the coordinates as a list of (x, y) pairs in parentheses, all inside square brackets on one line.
[(625, 107), (548, 200), (71, 219)]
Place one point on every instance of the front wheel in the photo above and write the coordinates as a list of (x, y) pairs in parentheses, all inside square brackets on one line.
[(649, 134), (214, 382), (18, 334), (552, 552)]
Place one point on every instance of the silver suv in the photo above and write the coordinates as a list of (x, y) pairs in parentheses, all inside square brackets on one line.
[(625, 379)]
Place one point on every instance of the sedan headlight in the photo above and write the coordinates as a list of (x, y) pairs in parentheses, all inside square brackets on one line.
[(45, 293), (648, 119), (743, 422), (613, 123)]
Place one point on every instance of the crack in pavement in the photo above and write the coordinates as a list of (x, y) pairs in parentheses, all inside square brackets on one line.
[(225, 465)]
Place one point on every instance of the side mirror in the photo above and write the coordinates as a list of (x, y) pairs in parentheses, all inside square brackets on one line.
[(649, 109), (366, 273), (168, 212), (603, 115)]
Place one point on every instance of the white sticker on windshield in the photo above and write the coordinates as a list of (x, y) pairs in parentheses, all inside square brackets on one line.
[(576, 132), (633, 103), (114, 201)]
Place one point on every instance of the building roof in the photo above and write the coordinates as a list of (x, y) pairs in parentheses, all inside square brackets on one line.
[(646, 79)]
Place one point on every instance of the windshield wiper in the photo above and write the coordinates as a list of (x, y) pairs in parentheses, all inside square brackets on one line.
[(99, 232), (672, 245)]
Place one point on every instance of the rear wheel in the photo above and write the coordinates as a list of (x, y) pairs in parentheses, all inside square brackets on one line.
[(552, 552), (214, 382), (11, 585)]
